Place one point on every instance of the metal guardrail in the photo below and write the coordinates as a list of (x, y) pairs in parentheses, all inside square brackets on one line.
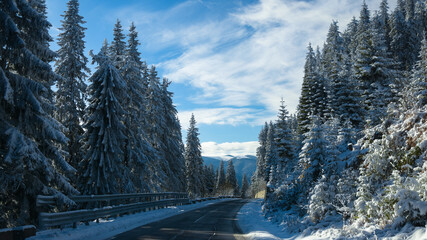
[(142, 202), (72, 217), (43, 201)]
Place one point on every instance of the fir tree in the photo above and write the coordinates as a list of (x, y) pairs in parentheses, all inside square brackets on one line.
[(156, 121), (118, 46), (220, 183), (284, 142), (172, 140), (245, 187), (231, 180), (103, 161), (419, 77), (193, 160), (137, 150), (30, 162), (271, 157), (71, 93), (306, 98)]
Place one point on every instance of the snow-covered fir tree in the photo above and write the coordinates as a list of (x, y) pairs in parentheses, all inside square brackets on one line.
[(71, 93), (284, 143), (232, 188), (193, 161), (30, 161), (220, 183), (245, 186), (306, 98), (172, 140), (103, 161)]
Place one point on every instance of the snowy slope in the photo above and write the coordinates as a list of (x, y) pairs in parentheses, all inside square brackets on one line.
[(256, 227)]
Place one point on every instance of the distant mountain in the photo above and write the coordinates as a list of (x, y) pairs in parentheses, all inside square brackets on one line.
[(242, 164)]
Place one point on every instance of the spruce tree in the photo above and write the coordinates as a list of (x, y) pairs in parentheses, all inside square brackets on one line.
[(104, 136), (231, 180), (220, 183), (260, 154), (159, 167), (71, 93), (245, 187), (118, 45), (314, 154), (271, 161), (193, 161), (30, 162), (284, 142), (419, 77), (172, 140), (306, 98), (399, 38)]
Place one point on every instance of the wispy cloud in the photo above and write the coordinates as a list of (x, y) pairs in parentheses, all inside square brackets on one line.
[(252, 57), (266, 62), (229, 148), (224, 116)]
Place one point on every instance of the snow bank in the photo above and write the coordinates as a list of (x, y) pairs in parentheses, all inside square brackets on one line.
[(107, 228), (256, 227)]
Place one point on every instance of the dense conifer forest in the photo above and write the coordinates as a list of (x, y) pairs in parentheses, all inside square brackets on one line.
[(357, 147)]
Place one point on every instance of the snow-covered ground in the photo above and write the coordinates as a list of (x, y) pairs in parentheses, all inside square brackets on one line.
[(256, 227), (111, 227)]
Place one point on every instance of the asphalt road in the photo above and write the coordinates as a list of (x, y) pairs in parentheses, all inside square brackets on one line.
[(216, 221)]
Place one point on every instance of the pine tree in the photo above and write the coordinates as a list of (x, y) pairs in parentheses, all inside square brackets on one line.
[(209, 176), (349, 38), (271, 157), (284, 143), (419, 77), (231, 180), (384, 19), (220, 183), (306, 98), (137, 151), (193, 160), (31, 163), (383, 72), (320, 102), (362, 61), (118, 46), (159, 167), (261, 150), (321, 198), (172, 140), (104, 136), (313, 155), (71, 93), (399, 37), (245, 187)]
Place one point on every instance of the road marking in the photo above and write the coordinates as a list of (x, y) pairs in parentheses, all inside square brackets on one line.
[(200, 218), (213, 235), (179, 234)]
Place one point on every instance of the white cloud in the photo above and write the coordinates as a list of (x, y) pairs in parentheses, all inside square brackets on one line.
[(254, 56), (267, 63), (224, 116), (229, 148)]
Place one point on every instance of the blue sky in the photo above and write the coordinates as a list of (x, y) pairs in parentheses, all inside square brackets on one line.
[(230, 61)]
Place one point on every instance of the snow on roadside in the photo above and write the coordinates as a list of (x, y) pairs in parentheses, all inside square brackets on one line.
[(111, 227), (256, 227)]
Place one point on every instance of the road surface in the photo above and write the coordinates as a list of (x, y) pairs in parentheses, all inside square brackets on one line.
[(216, 221)]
